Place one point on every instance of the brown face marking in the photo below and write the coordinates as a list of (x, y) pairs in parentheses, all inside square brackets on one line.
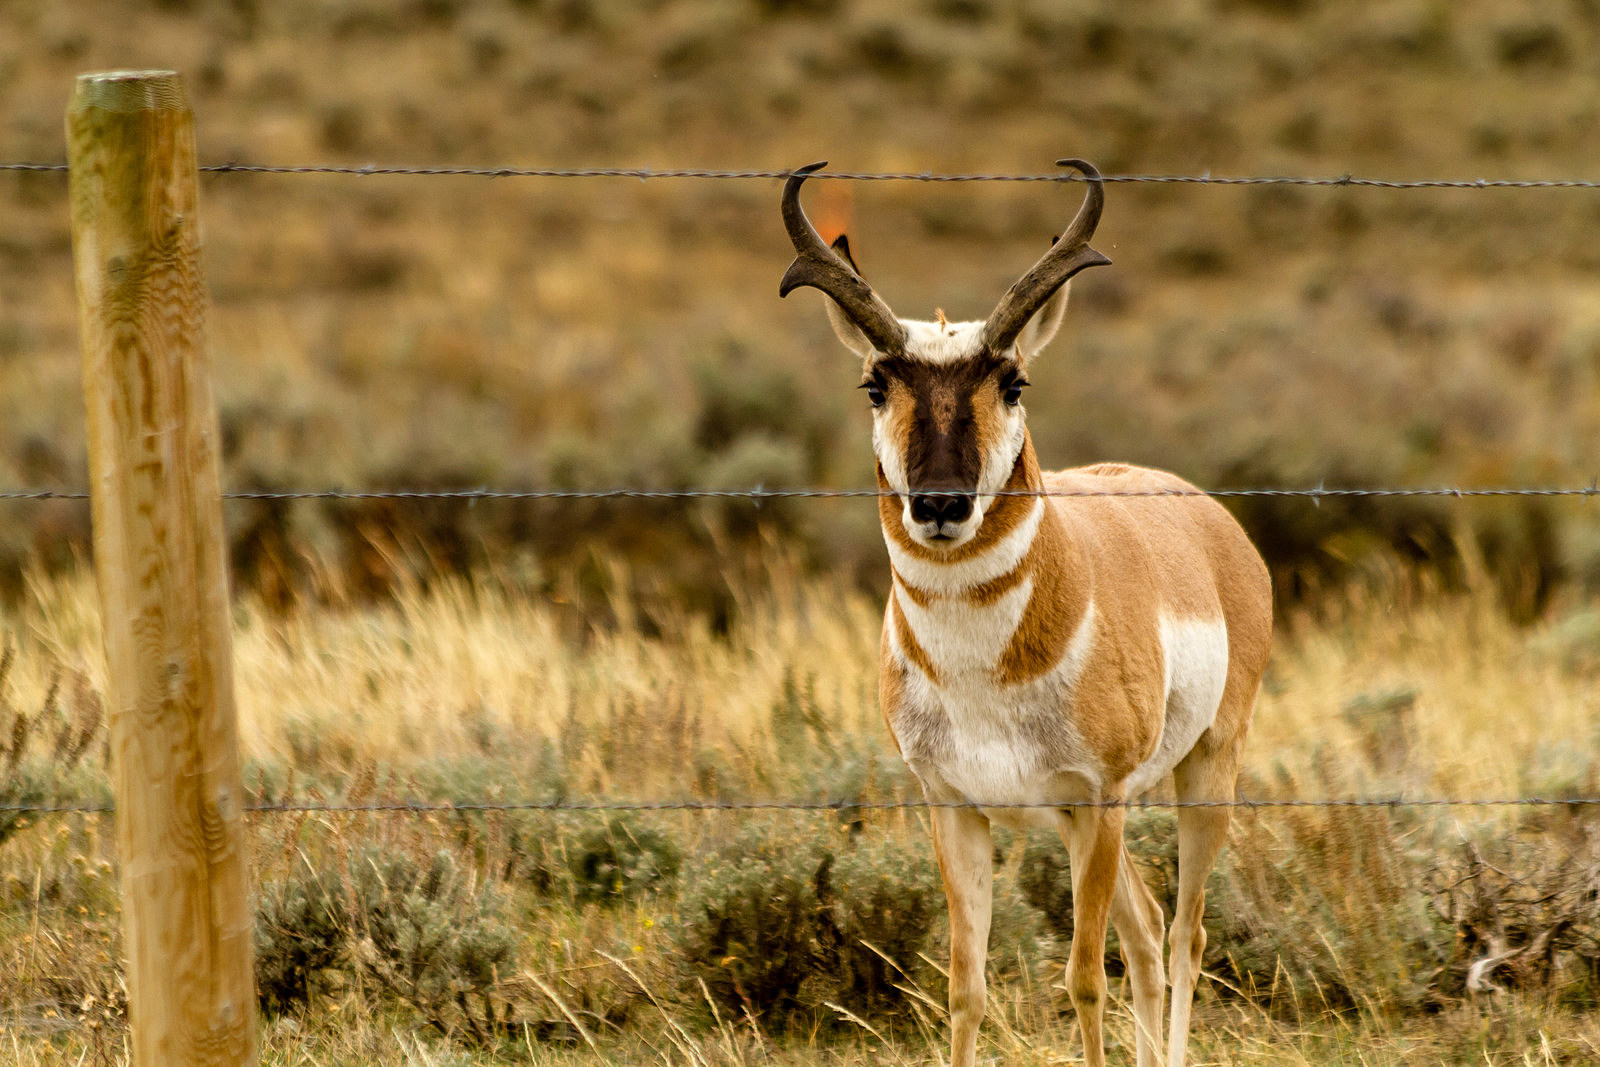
[(943, 406), (944, 439)]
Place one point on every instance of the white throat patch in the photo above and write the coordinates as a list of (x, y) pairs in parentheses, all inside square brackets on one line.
[(946, 579)]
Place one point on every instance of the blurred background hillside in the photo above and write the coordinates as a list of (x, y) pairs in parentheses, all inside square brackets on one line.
[(450, 332)]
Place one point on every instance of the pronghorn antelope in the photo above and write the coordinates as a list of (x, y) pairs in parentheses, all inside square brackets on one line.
[(1055, 643)]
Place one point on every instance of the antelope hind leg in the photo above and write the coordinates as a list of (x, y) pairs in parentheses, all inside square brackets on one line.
[(1202, 831)]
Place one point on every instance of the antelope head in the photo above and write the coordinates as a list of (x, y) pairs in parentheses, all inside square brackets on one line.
[(947, 414)]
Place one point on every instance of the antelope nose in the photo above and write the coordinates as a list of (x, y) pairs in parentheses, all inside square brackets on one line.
[(941, 507)]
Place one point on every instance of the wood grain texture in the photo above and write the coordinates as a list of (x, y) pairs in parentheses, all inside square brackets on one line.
[(160, 563)]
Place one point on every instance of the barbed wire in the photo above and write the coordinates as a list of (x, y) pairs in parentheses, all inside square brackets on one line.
[(647, 173), (413, 807), (759, 494)]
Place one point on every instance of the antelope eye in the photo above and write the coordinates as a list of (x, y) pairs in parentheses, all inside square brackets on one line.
[(1012, 393), (874, 392)]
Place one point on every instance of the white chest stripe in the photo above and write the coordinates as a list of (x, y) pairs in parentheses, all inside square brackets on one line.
[(960, 638), (949, 578)]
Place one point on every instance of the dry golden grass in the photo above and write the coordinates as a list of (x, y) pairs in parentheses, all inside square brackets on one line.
[(473, 689), (1392, 687)]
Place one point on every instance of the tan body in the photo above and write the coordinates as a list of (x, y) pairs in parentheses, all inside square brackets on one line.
[(1055, 644), (1087, 702)]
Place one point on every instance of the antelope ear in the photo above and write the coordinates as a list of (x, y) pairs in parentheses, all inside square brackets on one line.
[(1042, 328), (848, 332)]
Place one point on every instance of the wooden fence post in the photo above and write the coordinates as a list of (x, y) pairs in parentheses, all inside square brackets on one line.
[(161, 566)]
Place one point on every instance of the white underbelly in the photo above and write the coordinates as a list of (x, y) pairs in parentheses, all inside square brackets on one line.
[(970, 738)]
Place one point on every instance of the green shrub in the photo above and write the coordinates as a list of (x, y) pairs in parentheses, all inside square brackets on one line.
[(875, 901), (431, 938), (422, 933), (569, 858), (1333, 902)]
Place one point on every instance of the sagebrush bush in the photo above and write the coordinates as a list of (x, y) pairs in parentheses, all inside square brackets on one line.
[(430, 937), (423, 933), (1333, 900), (302, 925), (621, 860), (780, 927)]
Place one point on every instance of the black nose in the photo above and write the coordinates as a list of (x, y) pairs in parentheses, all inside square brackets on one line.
[(941, 507)]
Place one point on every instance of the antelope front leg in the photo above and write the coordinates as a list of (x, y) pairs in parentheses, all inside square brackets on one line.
[(1094, 839), (963, 844)]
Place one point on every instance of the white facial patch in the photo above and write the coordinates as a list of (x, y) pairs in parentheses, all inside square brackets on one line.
[(1001, 459), (891, 457)]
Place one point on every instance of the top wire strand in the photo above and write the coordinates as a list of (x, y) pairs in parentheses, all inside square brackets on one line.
[(647, 173)]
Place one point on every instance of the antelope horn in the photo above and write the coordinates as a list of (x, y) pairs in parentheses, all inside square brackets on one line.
[(820, 267), (1067, 256)]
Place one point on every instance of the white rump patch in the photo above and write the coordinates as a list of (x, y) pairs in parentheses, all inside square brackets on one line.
[(1196, 654)]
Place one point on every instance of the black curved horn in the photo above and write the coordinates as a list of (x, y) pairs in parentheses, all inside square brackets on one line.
[(820, 267), (1067, 256)]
